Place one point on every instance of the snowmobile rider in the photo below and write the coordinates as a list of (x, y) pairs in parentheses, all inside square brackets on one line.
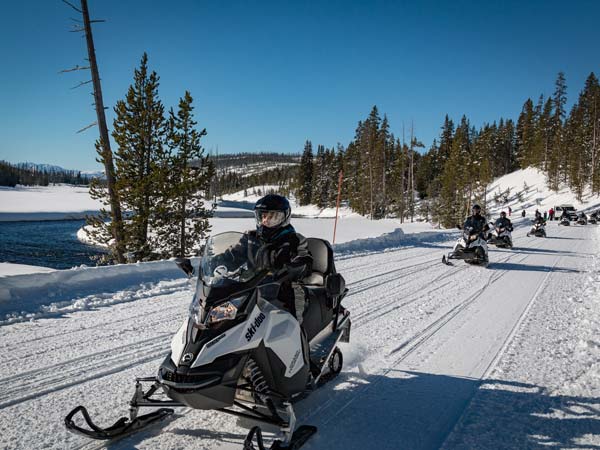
[(284, 247), (278, 246), (504, 222), (476, 221), (539, 219)]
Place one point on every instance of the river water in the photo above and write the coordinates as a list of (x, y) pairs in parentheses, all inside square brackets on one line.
[(45, 243)]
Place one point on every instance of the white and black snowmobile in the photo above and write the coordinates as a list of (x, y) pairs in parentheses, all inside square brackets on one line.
[(582, 220), (240, 351), (565, 221), (501, 237), (593, 218), (537, 230), (470, 247)]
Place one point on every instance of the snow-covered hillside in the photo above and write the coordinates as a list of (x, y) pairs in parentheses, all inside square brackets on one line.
[(527, 190), (461, 357)]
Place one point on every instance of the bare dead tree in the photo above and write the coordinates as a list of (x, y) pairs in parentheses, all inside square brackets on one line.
[(104, 148)]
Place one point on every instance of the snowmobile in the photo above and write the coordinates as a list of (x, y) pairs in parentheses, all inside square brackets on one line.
[(593, 218), (470, 247), (582, 220), (565, 221), (501, 237), (537, 230), (240, 351)]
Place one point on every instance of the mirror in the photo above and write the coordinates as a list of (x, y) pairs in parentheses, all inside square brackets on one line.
[(186, 265)]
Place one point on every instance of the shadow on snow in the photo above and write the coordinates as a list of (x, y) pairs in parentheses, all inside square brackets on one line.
[(413, 410)]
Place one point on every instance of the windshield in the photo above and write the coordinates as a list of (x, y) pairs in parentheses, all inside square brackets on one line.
[(228, 259)]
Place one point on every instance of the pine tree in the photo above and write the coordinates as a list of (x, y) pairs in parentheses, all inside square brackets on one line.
[(305, 176), (139, 130), (181, 217), (525, 136), (556, 161)]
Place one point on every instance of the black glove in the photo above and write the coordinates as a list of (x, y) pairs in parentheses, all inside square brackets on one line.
[(281, 257), (263, 258)]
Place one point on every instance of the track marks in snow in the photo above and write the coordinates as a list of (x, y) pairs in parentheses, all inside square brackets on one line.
[(35, 383)]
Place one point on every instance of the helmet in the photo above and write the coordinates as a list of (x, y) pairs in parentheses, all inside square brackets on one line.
[(272, 212), (476, 209), (503, 214)]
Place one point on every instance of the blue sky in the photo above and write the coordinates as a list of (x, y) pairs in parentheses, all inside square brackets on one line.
[(266, 76)]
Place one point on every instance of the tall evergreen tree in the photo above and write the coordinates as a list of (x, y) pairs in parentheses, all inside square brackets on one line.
[(181, 218), (139, 131), (525, 136), (305, 176), (556, 161)]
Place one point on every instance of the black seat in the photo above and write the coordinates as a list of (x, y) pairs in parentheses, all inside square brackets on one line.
[(322, 265), (318, 313)]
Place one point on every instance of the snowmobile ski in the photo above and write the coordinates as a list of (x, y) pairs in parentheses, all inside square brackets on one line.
[(299, 438), (120, 428)]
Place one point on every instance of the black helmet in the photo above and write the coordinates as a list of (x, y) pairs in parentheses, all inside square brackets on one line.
[(272, 212), (503, 214), (476, 209)]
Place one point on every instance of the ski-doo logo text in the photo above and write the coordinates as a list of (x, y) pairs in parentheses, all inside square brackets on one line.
[(294, 360), (252, 328)]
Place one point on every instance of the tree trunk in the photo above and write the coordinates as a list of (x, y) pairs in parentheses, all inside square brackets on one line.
[(115, 205)]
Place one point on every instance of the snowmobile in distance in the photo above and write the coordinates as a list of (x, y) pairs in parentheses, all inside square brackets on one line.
[(565, 221), (538, 230), (582, 219), (240, 351), (593, 218), (500, 237), (470, 247)]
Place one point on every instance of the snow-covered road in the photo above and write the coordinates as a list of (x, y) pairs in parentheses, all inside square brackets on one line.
[(424, 337)]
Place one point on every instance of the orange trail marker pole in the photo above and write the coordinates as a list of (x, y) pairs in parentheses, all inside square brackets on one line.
[(337, 206)]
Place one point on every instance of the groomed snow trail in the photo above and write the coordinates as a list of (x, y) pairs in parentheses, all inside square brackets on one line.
[(423, 336)]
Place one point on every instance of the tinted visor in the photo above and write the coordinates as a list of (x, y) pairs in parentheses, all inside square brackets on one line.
[(269, 219)]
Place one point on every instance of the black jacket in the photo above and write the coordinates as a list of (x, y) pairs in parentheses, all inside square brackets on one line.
[(539, 219), (286, 248), (504, 222), (478, 223)]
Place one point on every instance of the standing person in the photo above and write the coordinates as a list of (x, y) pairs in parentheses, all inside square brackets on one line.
[(551, 213), (545, 215), (509, 211), (523, 213)]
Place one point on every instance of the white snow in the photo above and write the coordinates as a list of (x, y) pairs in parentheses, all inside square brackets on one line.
[(528, 190), (8, 269), (510, 352), (53, 202)]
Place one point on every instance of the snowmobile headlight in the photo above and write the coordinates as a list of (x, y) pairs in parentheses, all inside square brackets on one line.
[(472, 237), (225, 311)]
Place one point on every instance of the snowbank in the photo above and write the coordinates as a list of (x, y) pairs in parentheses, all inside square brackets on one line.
[(36, 295), (9, 269)]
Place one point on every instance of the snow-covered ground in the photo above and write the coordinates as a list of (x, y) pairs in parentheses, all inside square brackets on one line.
[(9, 269), (527, 190), (53, 202), (460, 357)]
